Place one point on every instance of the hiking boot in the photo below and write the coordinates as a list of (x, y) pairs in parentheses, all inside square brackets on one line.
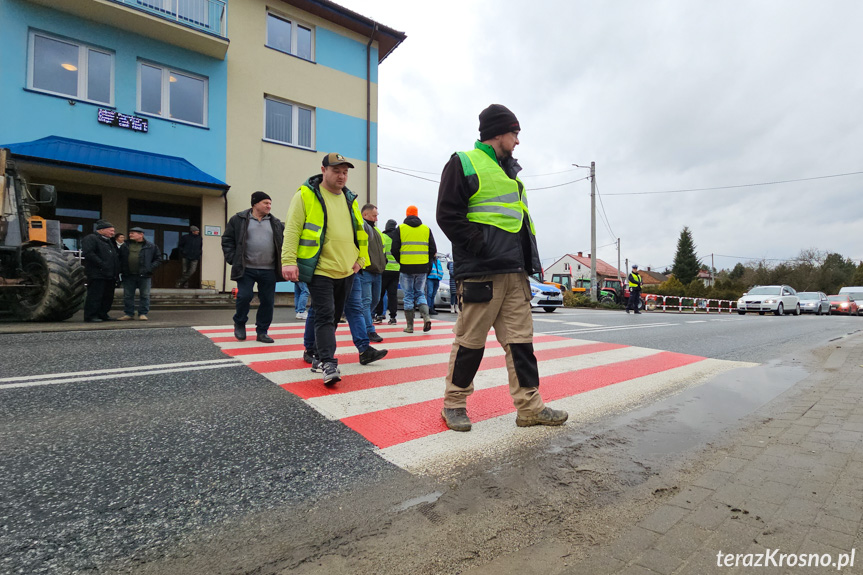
[(392, 321), (547, 416), (331, 374), (308, 356), (424, 312), (409, 320), (371, 354), (264, 338), (125, 318), (456, 418), (374, 337)]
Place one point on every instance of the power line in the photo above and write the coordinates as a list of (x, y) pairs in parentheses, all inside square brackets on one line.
[(604, 215), (438, 181), (548, 174), (738, 186), (559, 185), (406, 174)]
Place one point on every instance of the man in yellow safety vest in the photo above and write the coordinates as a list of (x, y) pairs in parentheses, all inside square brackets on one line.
[(413, 247)]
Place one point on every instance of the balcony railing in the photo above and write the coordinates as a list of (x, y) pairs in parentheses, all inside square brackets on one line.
[(205, 15)]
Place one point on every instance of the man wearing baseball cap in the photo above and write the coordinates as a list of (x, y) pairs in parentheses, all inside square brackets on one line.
[(252, 243), (325, 245), (634, 280), (482, 209)]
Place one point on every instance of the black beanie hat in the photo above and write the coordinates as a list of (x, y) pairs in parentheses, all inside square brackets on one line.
[(260, 197), (391, 225), (103, 225), (496, 120)]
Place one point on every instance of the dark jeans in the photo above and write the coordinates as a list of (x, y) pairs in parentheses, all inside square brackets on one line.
[(328, 303), (634, 296), (130, 284), (389, 286), (100, 297), (266, 280), (189, 268)]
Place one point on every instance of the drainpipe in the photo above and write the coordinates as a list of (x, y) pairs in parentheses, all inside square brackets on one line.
[(224, 265), (369, 115)]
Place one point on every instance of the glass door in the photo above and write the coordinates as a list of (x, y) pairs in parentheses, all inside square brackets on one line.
[(164, 224)]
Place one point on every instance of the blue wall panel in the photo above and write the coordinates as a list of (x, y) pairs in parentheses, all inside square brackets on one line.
[(32, 115), (346, 55), (344, 134)]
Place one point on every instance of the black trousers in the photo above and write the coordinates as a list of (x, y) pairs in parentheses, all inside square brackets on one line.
[(390, 287), (634, 296), (328, 301), (100, 297)]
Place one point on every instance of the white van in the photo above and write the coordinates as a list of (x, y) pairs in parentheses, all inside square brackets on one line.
[(856, 292)]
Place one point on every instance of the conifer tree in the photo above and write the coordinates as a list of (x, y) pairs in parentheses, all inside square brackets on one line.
[(686, 264)]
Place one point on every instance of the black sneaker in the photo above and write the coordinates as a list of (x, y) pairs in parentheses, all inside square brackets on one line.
[(331, 374), (308, 356), (374, 337), (316, 365), (392, 321), (378, 319), (372, 354)]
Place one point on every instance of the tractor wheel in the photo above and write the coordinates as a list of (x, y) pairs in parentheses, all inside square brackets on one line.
[(54, 286)]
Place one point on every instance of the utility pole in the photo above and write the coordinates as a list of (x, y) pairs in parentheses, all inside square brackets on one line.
[(593, 286), (618, 262)]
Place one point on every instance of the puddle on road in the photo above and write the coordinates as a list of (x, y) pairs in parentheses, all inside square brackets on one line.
[(412, 502), (695, 416)]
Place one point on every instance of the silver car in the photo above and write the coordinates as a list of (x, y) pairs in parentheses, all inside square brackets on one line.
[(814, 302)]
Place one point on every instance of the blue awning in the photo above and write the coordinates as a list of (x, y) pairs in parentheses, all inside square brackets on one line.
[(123, 161)]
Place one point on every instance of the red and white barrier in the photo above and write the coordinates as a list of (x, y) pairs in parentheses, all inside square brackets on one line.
[(653, 302)]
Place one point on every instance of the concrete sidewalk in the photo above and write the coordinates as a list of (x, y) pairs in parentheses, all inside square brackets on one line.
[(793, 483)]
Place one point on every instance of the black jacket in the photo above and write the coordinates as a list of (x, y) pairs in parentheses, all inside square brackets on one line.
[(414, 222), (480, 249), (149, 259), (101, 259), (191, 246), (234, 243)]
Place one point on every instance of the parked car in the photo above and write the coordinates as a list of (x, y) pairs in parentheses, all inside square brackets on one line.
[(546, 296), (442, 297), (777, 299), (843, 304), (814, 302)]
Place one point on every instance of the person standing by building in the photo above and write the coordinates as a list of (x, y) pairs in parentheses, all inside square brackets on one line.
[(390, 277), (138, 259), (102, 265), (634, 280), (119, 240), (252, 243), (301, 299), (191, 248), (482, 209), (414, 249), (432, 283), (370, 276), (325, 245)]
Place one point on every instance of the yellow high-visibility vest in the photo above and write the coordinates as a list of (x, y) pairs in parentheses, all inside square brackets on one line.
[(415, 244), (392, 264)]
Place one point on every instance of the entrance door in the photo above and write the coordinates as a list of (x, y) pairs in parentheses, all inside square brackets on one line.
[(164, 224)]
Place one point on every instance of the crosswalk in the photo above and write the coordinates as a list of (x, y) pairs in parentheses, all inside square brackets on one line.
[(395, 403)]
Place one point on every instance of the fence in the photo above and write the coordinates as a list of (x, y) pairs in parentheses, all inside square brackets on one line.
[(664, 303), (207, 15)]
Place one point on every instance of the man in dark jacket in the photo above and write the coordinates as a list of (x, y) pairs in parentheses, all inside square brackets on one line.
[(102, 265), (414, 247), (190, 248), (252, 244), (138, 259), (390, 277), (482, 209)]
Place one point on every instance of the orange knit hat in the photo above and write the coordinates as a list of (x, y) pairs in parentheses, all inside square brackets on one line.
[(412, 211)]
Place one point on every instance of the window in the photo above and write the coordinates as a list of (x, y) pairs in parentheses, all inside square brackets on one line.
[(288, 123), (289, 37), (173, 95), (67, 68), (565, 267)]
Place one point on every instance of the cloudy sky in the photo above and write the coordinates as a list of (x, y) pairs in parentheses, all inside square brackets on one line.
[(662, 95)]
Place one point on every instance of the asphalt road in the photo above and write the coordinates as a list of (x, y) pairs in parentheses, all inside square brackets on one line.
[(117, 443)]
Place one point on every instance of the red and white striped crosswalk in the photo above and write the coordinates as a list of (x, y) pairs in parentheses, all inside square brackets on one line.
[(395, 403)]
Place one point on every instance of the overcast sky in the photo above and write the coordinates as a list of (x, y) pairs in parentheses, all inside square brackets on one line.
[(670, 95)]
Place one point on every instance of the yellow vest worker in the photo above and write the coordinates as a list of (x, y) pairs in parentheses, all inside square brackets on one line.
[(414, 247)]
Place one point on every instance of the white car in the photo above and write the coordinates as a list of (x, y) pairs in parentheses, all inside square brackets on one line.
[(776, 299), (546, 296)]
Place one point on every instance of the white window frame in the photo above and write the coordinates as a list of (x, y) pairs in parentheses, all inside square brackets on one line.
[(294, 36), (83, 62), (295, 123), (166, 93)]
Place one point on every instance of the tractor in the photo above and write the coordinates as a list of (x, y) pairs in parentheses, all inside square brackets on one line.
[(39, 281)]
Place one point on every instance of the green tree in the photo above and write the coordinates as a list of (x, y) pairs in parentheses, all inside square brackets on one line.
[(686, 264), (737, 272), (857, 280)]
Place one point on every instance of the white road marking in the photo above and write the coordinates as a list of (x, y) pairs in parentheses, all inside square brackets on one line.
[(582, 324), (697, 321)]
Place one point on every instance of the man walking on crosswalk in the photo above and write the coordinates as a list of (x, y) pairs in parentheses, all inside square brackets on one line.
[(482, 209)]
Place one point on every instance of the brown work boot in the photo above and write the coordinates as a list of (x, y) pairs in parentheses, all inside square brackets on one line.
[(456, 418), (547, 416)]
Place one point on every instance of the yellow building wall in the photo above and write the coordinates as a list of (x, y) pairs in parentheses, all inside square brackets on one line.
[(254, 70)]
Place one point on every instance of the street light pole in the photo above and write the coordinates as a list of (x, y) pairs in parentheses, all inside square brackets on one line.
[(593, 285)]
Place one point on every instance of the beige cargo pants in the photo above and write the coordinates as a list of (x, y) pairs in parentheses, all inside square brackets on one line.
[(509, 313)]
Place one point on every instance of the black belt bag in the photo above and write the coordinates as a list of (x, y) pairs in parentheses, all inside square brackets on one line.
[(477, 292)]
